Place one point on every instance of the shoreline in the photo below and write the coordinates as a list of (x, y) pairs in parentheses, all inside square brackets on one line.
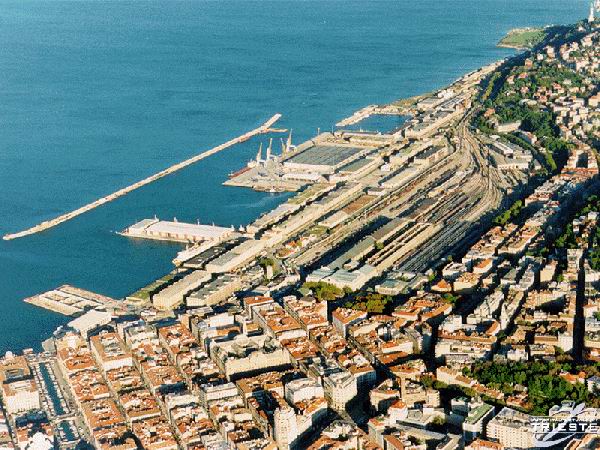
[(434, 247), (523, 38), (403, 106)]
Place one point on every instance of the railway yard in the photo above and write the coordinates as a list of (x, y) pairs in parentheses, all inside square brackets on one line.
[(435, 190)]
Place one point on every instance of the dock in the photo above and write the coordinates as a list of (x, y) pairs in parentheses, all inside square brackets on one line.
[(359, 115), (264, 128), (71, 301), (368, 111), (175, 231)]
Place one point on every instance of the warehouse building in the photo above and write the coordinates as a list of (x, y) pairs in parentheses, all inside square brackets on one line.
[(323, 159), (174, 294), (235, 257), (217, 290), (177, 231)]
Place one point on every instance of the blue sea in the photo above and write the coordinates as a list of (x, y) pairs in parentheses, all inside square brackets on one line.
[(95, 95)]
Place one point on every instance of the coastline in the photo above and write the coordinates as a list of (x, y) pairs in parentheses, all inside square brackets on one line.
[(434, 248), (85, 252), (523, 38)]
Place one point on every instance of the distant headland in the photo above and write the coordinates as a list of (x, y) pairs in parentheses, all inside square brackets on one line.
[(523, 38)]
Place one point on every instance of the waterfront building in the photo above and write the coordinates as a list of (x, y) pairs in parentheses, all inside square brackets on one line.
[(178, 231), (236, 256), (19, 390), (215, 291), (173, 295), (20, 395), (90, 321)]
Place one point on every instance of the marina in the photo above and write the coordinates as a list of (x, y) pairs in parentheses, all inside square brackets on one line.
[(55, 402), (52, 397)]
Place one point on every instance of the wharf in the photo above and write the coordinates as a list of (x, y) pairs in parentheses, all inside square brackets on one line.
[(175, 231), (368, 111), (72, 301)]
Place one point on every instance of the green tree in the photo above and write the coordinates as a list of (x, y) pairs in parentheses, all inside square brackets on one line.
[(324, 291), (371, 302)]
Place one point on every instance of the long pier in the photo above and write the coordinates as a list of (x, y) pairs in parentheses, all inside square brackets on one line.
[(264, 128), (367, 111)]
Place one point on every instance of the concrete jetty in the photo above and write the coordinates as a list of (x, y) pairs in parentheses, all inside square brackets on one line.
[(358, 116), (264, 128), (71, 301), (368, 111)]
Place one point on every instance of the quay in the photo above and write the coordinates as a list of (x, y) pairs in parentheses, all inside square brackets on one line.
[(72, 301), (264, 128), (162, 230), (359, 115), (368, 111)]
